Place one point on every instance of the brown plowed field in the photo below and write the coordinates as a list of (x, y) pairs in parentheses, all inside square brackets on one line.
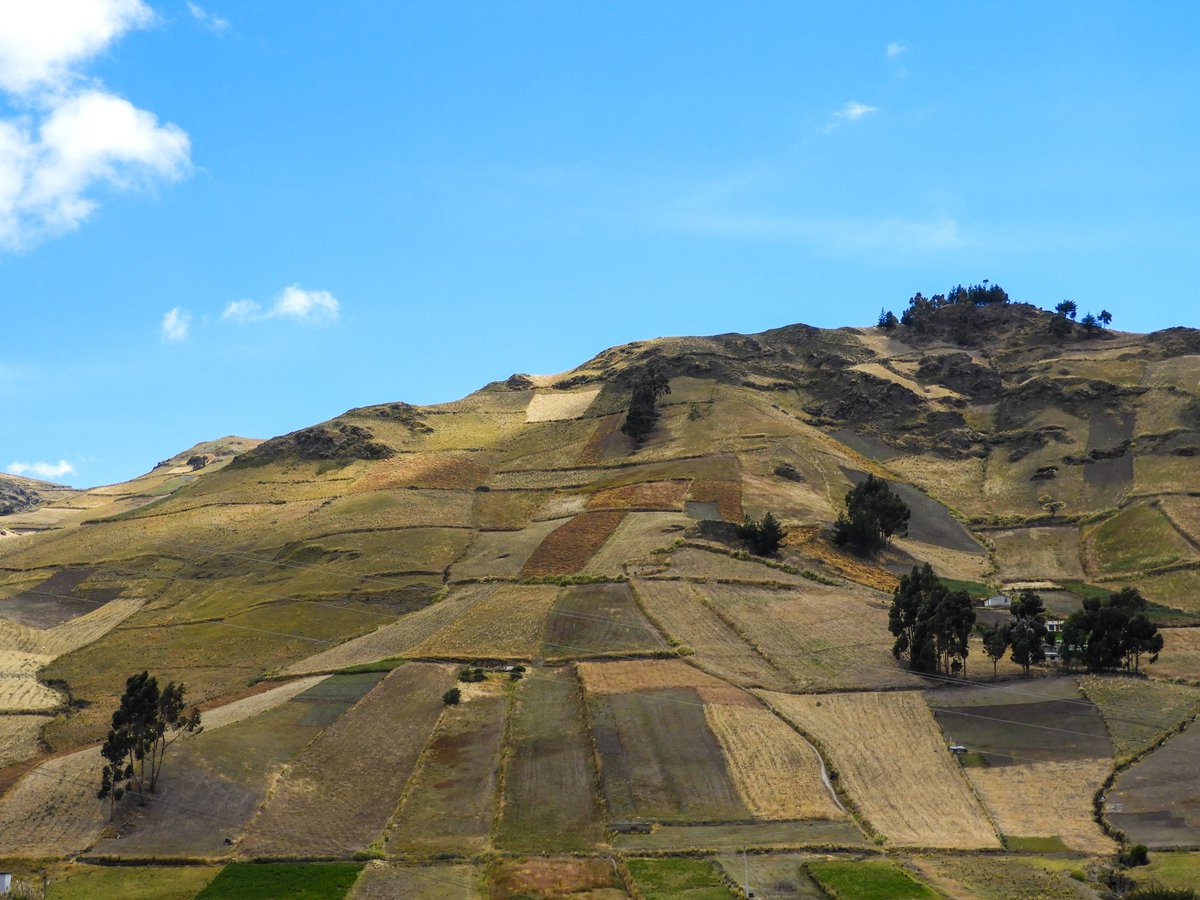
[(566, 549)]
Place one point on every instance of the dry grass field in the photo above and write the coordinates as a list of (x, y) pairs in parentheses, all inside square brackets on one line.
[(541, 877), (558, 406), (777, 773), (427, 470), (1184, 512), (726, 494), (1046, 799), (399, 637), (637, 536), (549, 800), (995, 877), (1138, 711), (1037, 553), (821, 637), (321, 795), (851, 567), (1179, 589), (72, 635), (595, 619), (684, 615), (506, 624), (656, 674), (257, 704), (388, 880), (567, 548), (667, 496), (699, 564), (500, 554), (450, 801), (1180, 657), (19, 737), (53, 811), (20, 690), (507, 509), (901, 777)]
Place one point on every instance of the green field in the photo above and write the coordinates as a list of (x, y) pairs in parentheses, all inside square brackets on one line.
[(1135, 540), (693, 879), (282, 881), (131, 883), (868, 879)]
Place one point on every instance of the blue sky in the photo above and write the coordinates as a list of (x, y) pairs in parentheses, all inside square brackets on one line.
[(248, 217)]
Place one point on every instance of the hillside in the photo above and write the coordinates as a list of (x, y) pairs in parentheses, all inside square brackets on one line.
[(317, 588)]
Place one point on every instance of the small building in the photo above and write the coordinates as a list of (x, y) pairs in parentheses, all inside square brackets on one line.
[(958, 749), (5, 882), (1054, 626), (999, 601)]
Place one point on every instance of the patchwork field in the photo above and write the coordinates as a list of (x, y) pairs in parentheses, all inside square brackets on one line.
[(777, 773), (508, 623), (549, 801), (450, 802), (19, 737), (1046, 800), (1024, 554), (684, 615), (385, 881), (1138, 711), (727, 495), (500, 554), (320, 803), (995, 877), (820, 637), (596, 619), (217, 780), (927, 801), (82, 882), (1046, 722), (664, 879), (554, 876), (667, 496), (867, 879), (1156, 802), (567, 549), (637, 536), (397, 638), (1134, 540), (1180, 657)]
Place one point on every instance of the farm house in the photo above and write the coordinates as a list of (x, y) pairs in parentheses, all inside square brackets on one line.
[(999, 601)]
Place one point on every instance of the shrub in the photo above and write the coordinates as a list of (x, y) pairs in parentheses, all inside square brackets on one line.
[(452, 696)]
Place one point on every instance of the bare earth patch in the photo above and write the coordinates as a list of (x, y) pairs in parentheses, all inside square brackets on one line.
[(558, 406)]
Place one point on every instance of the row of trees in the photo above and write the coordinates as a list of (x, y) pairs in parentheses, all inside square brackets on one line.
[(931, 623), (1064, 315)]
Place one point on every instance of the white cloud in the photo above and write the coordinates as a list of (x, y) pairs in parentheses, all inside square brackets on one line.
[(295, 303), (209, 20), (895, 49), (60, 469), (42, 42), (71, 135), (853, 111), (175, 325)]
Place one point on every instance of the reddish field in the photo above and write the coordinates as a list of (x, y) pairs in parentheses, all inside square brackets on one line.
[(645, 495), (566, 549), (726, 494)]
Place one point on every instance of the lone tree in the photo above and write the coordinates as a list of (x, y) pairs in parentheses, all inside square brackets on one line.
[(1067, 309), (146, 723), (643, 410), (874, 512), (1027, 632), (995, 644), (1111, 633), (932, 624), (765, 537)]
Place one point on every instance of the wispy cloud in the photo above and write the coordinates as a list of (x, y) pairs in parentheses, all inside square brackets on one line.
[(295, 303), (60, 469), (211, 21), (175, 325), (895, 49), (71, 134), (853, 111)]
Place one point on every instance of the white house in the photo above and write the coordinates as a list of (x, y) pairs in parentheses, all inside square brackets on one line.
[(998, 602), (5, 882)]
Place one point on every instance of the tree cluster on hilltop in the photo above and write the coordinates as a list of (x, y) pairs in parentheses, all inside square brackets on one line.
[(932, 624)]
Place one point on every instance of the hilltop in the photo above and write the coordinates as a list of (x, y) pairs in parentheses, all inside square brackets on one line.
[(314, 589)]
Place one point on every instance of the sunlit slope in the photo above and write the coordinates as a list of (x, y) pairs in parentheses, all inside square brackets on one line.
[(451, 531)]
